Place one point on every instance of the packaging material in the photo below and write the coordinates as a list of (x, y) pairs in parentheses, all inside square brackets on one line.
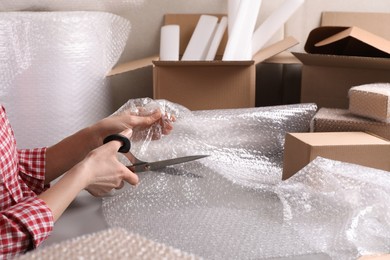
[(240, 182), (338, 208), (169, 42), (371, 101), (273, 23), (245, 148), (112, 243), (195, 133), (200, 85), (342, 120), (201, 38), (53, 67), (70, 5), (353, 147), (239, 44), (326, 77)]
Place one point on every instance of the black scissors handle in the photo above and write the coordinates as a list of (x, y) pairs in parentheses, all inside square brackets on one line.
[(119, 137)]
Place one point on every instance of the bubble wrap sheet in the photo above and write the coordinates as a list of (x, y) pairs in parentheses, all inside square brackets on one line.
[(52, 71), (69, 5), (371, 101), (218, 207), (338, 208), (114, 243)]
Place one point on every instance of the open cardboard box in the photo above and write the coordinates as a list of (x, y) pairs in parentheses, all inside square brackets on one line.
[(350, 49), (352, 147), (200, 85)]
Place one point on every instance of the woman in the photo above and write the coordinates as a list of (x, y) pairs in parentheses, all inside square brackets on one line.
[(29, 206)]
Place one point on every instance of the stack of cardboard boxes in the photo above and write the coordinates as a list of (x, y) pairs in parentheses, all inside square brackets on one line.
[(344, 72), (355, 135)]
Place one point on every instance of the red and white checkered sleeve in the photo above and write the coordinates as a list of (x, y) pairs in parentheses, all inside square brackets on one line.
[(24, 226), (32, 168)]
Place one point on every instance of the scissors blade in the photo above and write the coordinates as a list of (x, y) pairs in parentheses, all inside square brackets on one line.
[(152, 166)]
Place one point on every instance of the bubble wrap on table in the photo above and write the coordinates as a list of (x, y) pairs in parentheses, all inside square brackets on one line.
[(113, 243), (236, 139), (217, 207), (52, 71), (338, 208)]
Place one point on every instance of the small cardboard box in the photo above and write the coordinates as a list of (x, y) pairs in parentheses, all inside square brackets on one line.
[(352, 147), (327, 76), (200, 85), (342, 120)]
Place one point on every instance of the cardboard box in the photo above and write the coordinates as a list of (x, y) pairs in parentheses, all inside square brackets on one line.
[(342, 120), (352, 147), (326, 77), (200, 85)]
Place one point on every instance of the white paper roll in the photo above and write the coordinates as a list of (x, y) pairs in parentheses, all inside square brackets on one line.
[(169, 42), (233, 6), (242, 31), (201, 38), (273, 23), (218, 35)]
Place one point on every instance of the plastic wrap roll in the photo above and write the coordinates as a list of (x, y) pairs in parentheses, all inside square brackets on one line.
[(53, 67)]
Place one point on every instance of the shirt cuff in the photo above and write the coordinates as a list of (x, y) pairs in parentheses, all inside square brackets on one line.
[(32, 168), (35, 216)]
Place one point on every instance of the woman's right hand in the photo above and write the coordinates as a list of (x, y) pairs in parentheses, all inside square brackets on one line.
[(104, 171)]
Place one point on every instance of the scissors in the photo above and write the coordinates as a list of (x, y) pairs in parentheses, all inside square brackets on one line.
[(141, 166)]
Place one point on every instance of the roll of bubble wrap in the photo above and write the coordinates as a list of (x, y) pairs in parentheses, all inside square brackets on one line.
[(53, 67), (69, 5), (112, 243)]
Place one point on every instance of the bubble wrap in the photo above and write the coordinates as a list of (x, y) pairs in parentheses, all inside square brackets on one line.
[(338, 208), (341, 120), (371, 101), (52, 71), (69, 5), (218, 207), (114, 243)]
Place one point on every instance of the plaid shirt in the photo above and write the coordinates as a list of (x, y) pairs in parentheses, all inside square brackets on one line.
[(25, 220)]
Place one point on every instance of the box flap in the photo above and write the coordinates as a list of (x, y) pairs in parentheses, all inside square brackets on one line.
[(343, 61), (285, 57), (214, 63), (132, 65), (340, 138), (274, 49), (351, 41), (376, 23)]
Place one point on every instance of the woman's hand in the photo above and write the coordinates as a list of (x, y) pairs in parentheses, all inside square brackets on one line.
[(99, 172), (103, 171), (127, 120), (71, 150)]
